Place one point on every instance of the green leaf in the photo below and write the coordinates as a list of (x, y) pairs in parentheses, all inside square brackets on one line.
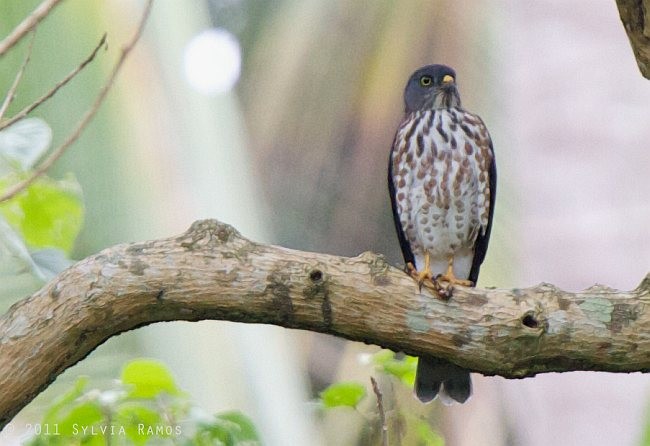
[(52, 416), (229, 429), (137, 419), (15, 255), (217, 433), (86, 414), (403, 369), (428, 436), (95, 440), (343, 394), (23, 143), (245, 429), (49, 214), (17, 261), (148, 378)]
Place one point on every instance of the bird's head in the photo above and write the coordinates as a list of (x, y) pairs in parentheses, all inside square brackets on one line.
[(430, 87)]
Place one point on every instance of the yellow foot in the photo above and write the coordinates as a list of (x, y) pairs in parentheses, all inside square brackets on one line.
[(426, 278), (421, 277), (450, 278)]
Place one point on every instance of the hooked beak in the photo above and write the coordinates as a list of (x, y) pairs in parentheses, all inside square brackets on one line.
[(446, 94)]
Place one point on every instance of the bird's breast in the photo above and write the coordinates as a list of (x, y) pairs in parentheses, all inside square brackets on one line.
[(440, 164)]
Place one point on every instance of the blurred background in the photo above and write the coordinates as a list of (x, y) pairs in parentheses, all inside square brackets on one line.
[(277, 117)]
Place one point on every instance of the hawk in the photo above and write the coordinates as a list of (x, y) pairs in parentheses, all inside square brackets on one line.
[(442, 184)]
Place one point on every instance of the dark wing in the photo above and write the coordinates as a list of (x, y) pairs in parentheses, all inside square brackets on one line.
[(481, 245), (403, 243)]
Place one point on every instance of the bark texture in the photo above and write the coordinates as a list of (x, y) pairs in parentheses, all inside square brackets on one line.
[(212, 272), (635, 15)]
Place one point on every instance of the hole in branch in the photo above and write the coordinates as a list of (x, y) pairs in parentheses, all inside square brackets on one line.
[(316, 275), (529, 320)]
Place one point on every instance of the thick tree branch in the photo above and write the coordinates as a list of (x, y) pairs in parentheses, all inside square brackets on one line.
[(635, 15), (212, 272)]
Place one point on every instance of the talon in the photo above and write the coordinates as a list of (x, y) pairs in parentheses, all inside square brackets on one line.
[(450, 278), (420, 276), (446, 292), (426, 278)]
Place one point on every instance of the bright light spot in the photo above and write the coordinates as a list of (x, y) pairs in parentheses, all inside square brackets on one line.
[(364, 358), (212, 61)]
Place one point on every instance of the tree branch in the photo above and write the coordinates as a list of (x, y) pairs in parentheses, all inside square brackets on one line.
[(383, 426), (27, 25), (635, 15), (212, 272), (54, 156), (37, 103), (11, 94)]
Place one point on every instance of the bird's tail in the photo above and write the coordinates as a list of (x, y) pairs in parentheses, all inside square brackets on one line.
[(436, 376)]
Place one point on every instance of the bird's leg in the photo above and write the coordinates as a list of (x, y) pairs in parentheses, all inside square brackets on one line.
[(450, 278), (425, 277), (424, 274)]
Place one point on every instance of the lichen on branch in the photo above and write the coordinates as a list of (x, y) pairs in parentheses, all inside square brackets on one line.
[(212, 272)]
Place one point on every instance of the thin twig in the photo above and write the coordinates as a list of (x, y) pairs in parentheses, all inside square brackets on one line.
[(382, 413), (12, 90), (27, 25), (88, 116), (30, 108)]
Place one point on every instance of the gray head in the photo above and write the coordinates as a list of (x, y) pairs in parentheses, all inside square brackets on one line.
[(432, 86)]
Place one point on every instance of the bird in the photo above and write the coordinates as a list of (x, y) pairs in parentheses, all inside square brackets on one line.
[(442, 186)]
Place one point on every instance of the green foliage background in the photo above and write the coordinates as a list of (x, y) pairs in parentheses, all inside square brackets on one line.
[(144, 407)]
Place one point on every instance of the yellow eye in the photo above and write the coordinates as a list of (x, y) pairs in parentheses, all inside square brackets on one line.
[(426, 81)]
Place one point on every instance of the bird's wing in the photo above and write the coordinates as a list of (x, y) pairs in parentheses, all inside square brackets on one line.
[(481, 244), (403, 242)]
